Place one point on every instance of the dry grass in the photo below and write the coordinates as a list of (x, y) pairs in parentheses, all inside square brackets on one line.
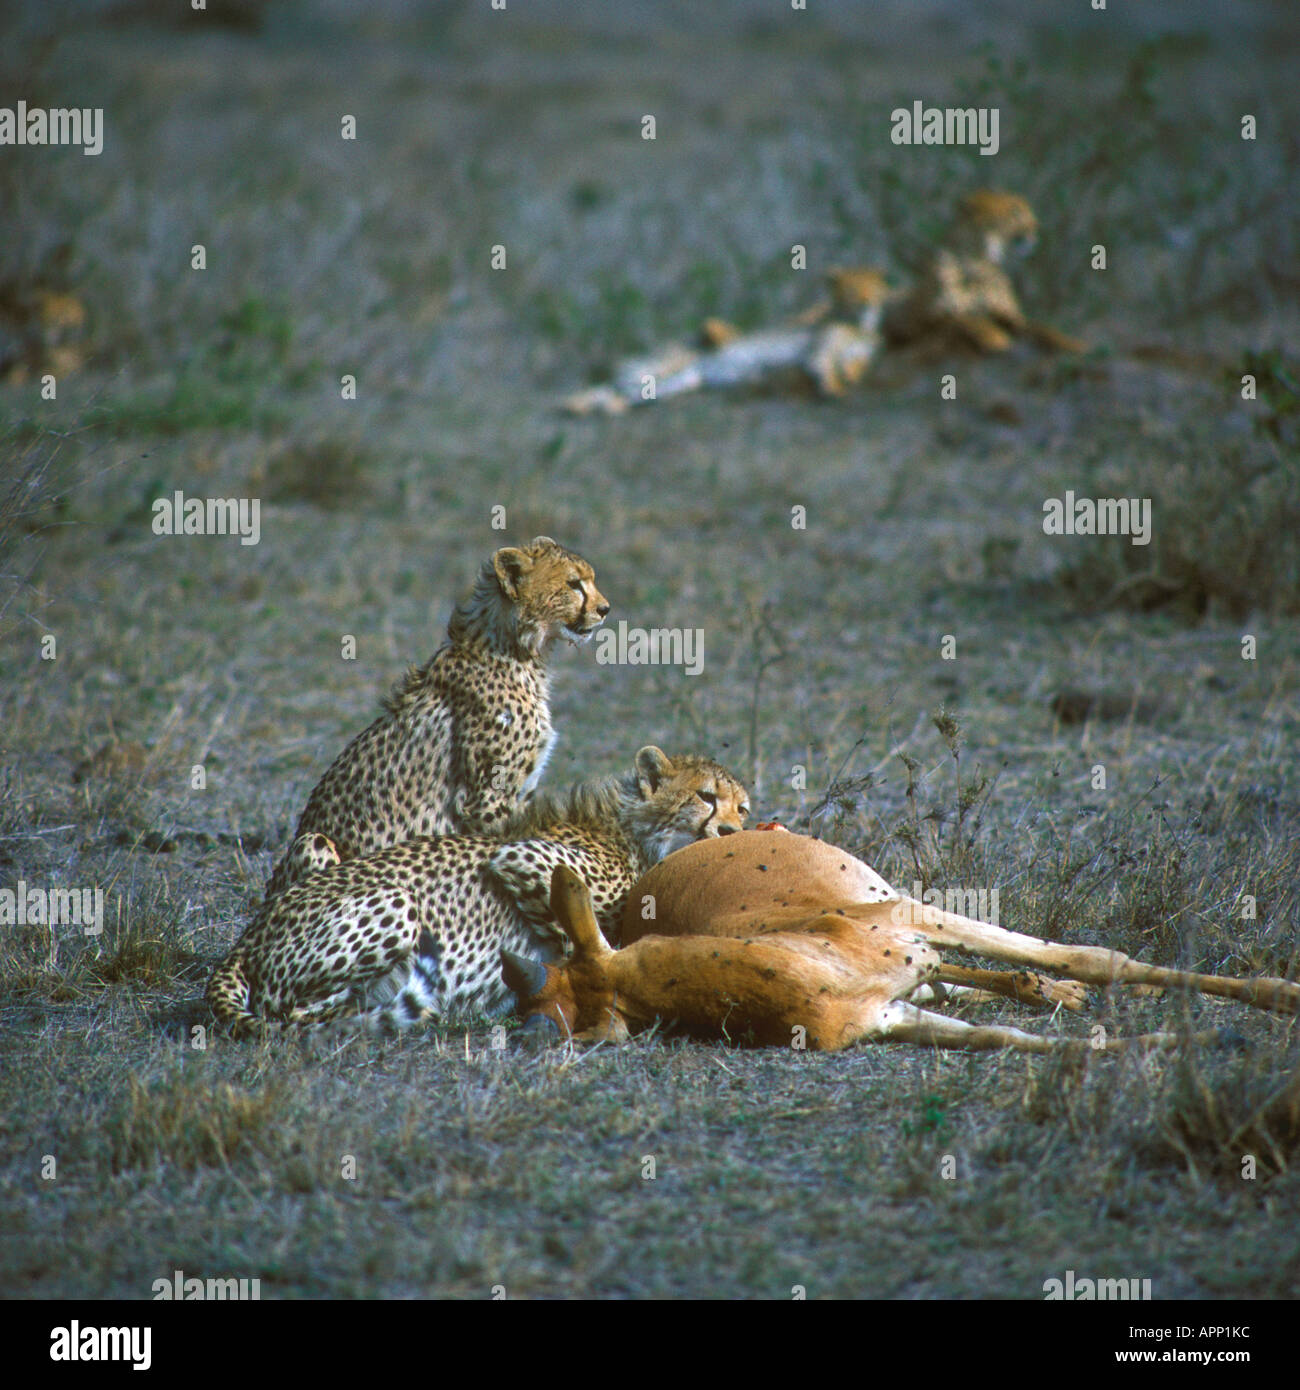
[(439, 1165), (1224, 534)]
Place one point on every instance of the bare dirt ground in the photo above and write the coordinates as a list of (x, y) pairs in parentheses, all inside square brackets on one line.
[(439, 1166)]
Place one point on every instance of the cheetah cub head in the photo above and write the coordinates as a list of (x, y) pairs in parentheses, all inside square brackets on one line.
[(552, 593), (858, 295), (682, 799), (990, 225)]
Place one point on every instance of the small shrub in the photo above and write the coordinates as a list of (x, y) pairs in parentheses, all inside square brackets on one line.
[(1212, 1125), (185, 1121), (1225, 533), (328, 473)]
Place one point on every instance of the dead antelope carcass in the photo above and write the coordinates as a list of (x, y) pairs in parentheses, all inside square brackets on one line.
[(773, 938)]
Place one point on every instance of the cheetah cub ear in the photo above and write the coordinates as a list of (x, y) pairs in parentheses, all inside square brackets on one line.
[(510, 565), (652, 766), (542, 543)]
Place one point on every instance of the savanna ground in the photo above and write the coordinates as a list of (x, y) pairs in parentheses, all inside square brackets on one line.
[(475, 1167)]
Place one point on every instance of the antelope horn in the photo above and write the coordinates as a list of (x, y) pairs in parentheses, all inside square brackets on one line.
[(525, 977)]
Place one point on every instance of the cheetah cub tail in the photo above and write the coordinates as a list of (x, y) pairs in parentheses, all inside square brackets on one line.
[(227, 997), (421, 997), (409, 995)]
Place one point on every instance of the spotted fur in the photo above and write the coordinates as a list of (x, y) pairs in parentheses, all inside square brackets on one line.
[(963, 297), (415, 931), (463, 737)]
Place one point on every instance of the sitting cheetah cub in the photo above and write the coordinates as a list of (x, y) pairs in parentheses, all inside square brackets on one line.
[(416, 931), (963, 297), (463, 737)]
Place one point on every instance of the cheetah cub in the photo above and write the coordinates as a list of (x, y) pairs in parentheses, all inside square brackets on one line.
[(830, 352), (463, 737), (963, 297), (416, 931)]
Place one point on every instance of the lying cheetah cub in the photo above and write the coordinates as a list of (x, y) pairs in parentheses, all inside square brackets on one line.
[(415, 932), (832, 354), (464, 736), (963, 297)]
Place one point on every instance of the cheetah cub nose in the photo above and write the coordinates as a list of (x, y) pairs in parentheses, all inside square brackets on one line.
[(602, 609)]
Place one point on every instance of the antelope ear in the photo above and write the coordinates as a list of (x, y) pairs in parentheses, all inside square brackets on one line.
[(510, 566), (652, 766), (572, 908), (526, 978)]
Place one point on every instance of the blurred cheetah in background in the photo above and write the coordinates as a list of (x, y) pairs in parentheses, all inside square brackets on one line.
[(963, 297), (831, 352)]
